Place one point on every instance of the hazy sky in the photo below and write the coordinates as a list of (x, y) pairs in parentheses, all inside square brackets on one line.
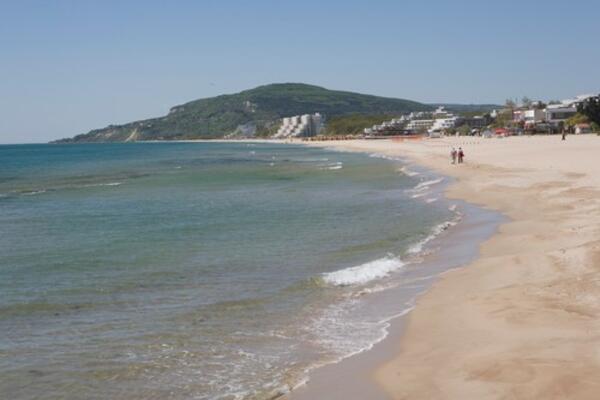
[(70, 66)]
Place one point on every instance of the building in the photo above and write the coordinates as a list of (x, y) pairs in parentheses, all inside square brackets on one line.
[(477, 122), (443, 124), (529, 115), (420, 125), (583, 128), (300, 126), (557, 114)]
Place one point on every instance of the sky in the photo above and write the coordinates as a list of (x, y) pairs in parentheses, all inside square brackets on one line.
[(67, 67)]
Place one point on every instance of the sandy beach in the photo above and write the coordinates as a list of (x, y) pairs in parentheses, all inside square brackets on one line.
[(521, 322)]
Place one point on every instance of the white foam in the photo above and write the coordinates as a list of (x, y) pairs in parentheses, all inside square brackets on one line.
[(385, 157), (332, 166), (33, 192), (103, 184), (435, 232), (364, 273), (431, 200), (407, 172), (427, 184)]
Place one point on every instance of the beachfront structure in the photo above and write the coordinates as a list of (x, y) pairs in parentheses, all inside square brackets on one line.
[(477, 122), (558, 114), (442, 113), (300, 126), (438, 122), (443, 124), (583, 128), (529, 115), (548, 118), (387, 128), (420, 125)]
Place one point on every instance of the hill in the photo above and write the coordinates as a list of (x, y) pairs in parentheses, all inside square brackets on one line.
[(254, 112)]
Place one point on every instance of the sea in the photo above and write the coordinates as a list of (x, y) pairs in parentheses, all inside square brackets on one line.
[(225, 271)]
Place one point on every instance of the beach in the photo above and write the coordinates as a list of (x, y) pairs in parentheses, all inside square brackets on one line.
[(520, 321)]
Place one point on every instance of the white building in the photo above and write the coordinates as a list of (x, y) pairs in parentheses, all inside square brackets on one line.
[(300, 125), (442, 124), (419, 125)]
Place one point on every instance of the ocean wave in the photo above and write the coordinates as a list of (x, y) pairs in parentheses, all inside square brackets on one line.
[(100, 184), (427, 184), (32, 192), (435, 232), (385, 157), (361, 274), (347, 338), (407, 172), (332, 166)]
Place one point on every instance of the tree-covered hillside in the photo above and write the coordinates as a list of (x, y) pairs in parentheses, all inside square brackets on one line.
[(248, 113)]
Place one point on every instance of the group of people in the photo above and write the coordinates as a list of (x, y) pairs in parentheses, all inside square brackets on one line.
[(457, 155)]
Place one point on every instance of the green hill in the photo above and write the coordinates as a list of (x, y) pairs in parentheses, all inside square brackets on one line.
[(254, 112)]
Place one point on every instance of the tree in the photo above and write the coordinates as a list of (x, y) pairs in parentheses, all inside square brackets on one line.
[(591, 109), (464, 130), (502, 120), (510, 104), (577, 119), (526, 101)]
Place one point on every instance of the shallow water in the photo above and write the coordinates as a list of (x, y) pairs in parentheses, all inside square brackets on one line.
[(198, 270)]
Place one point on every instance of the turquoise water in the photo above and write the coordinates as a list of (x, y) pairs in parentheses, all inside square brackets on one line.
[(195, 270)]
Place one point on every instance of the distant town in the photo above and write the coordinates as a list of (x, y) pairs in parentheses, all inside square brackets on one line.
[(514, 118)]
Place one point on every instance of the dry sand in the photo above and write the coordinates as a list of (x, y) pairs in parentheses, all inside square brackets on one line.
[(523, 320)]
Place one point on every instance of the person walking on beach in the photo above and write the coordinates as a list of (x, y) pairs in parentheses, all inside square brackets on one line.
[(453, 154), (461, 155)]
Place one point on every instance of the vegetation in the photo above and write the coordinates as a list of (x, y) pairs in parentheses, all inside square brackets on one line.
[(591, 109), (503, 119), (251, 112), (577, 119), (353, 124)]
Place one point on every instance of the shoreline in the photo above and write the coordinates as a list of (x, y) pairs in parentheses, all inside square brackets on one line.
[(519, 321), (353, 376)]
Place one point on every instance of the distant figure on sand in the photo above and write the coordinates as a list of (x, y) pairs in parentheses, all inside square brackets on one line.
[(564, 135), (461, 155), (453, 154)]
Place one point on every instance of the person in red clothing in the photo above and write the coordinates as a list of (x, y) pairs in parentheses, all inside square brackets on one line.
[(461, 155)]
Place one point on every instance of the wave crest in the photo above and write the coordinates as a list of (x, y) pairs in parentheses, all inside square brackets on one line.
[(364, 273)]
